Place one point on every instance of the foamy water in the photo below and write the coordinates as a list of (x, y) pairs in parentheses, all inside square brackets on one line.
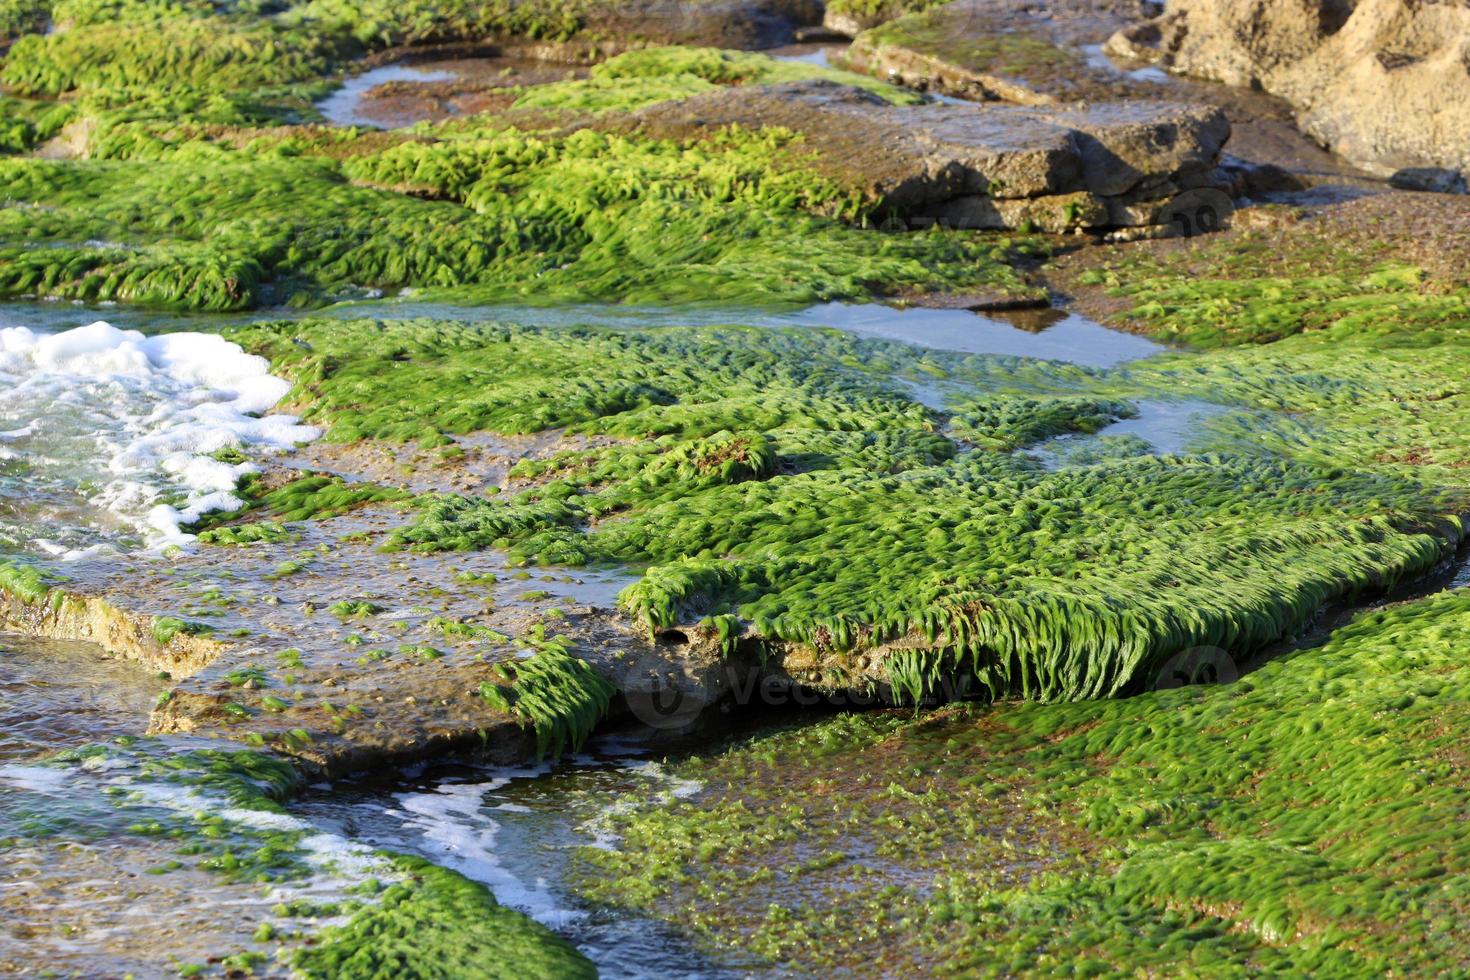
[(107, 435)]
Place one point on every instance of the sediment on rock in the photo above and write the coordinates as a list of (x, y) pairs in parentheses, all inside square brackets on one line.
[(159, 642)]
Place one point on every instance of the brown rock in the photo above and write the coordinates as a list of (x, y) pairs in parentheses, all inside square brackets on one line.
[(1385, 83), (936, 160)]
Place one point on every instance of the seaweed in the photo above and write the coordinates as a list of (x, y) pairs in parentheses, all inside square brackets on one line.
[(435, 923)]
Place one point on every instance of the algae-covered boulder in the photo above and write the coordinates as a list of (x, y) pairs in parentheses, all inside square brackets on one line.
[(1384, 82), (997, 50), (986, 166), (853, 16)]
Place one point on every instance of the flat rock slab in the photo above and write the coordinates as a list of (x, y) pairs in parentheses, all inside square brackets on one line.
[(914, 160)]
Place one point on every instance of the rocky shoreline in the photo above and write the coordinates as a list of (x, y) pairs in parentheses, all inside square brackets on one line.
[(513, 534)]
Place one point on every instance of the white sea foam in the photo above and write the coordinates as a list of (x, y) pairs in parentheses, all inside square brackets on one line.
[(36, 779), (129, 421), (454, 826)]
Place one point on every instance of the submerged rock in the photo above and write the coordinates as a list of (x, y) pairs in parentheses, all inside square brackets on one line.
[(982, 166), (1385, 83)]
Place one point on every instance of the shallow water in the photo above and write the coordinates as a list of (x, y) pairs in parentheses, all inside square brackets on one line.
[(807, 54), (1163, 426), (55, 695), (1066, 337), (1095, 57), (514, 830), (342, 106), (104, 448)]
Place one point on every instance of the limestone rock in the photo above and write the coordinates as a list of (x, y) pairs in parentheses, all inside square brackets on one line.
[(939, 161), (1385, 83)]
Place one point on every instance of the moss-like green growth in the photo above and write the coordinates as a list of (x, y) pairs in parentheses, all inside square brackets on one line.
[(953, 35), (19, 17), (311, 497), (166, 53), (254, 532), (1006, 423), (1301, 820), (25, 123), (489, 214), (250, 780), (877, 11), (562, 696), (26, 582), (640, 78), (438, 924), (1333, 280), (783, 484), (399, 380), (1347, 302), (165, 628), (354, 608)]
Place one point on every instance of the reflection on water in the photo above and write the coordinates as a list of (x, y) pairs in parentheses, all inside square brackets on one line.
[(56, 695), (807, 54), (1043, 334), (342, 106), (1161, 427), (1097, 58)]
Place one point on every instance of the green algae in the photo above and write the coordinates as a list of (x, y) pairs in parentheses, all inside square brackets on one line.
[(166, 46), (166, 53), (1258, 287), (26, 123), (638, 78), (875, 11), (26, 582), (166, 628), (435, 923), (194, 196), (478, 215), (426, 380), (1302, 819), (561, 695), (945, 33), (747, 486), (19, 17), (310, 497), (1005, 423)]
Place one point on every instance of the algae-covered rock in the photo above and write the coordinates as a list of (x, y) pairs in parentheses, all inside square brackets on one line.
[(997, 50)]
